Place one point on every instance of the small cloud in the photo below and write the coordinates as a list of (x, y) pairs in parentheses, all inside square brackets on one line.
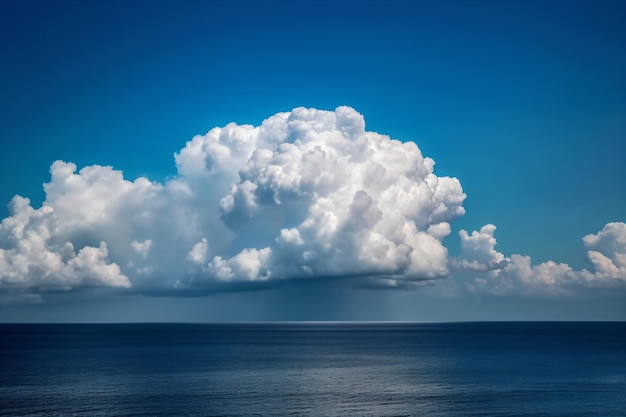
[(478, 251), (606, 250), (492, 273), (142, 248)]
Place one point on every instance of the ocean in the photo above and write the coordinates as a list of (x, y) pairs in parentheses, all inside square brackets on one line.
[(314, 369)]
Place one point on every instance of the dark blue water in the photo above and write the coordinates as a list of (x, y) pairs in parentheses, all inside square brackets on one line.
[(412, 369)]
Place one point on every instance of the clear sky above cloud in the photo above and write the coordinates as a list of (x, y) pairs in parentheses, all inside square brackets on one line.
[(465, 161)]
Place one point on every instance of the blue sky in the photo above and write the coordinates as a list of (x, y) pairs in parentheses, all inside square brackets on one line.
[(523, 102)]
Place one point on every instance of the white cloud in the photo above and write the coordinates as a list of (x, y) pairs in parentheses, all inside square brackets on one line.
[(494, 274), (478, 251), (33, 259), (606, 250), (307, 193), (356, 202), (247, 265), (142, 248)]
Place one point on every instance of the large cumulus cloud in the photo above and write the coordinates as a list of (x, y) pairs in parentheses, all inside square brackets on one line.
[(307, 193)]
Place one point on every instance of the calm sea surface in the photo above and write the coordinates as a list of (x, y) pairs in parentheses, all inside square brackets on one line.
[(314, 369)]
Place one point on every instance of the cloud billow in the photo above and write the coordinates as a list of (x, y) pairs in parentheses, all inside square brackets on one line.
[(320, 196), (307, 194)]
